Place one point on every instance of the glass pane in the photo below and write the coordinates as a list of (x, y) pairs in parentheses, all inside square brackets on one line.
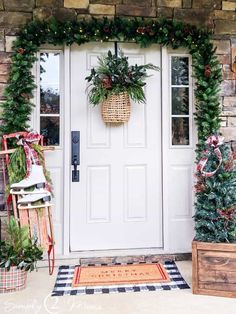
[(49, 83), (49, 128), (180, 100), (179, 70), (180, 131)]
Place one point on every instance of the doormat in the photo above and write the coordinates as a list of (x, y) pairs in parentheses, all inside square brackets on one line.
[(64, 282), (119, 275)]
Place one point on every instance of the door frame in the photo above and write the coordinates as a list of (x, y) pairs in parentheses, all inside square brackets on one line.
[(165, 52), (67, 169), (67, 149)]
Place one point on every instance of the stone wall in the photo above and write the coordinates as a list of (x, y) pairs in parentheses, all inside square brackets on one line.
[(219, 16)]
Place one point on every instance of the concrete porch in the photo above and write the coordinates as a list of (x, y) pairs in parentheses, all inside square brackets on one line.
[(36, 299)]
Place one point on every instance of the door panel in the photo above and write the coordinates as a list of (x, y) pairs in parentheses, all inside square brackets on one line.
[(178, 150), (118, 202), (47, 119)]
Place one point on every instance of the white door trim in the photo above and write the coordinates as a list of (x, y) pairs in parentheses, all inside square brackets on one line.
[(67, 168), (165, 139), (168, 150), (67, 149)]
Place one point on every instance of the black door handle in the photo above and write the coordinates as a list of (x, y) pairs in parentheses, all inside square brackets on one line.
[(75, 154), (75, 163)]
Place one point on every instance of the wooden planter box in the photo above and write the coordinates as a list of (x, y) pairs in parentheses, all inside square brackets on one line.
[(214, 269)]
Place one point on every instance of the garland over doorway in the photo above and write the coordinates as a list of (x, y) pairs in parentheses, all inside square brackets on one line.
[(206, 68)]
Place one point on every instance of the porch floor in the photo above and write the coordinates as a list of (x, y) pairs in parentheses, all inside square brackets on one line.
[(36, 299)]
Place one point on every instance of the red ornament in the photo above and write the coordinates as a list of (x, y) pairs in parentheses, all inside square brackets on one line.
[(186, 30), (141, 30), (106, 29), (228, 213), (207, 71)]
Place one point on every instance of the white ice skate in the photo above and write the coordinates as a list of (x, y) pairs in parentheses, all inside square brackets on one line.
[(35, 179), (33, 205), (31, 198), (34, 201), (27, 191)]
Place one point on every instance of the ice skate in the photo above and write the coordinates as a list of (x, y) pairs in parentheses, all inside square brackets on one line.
[(35, 205), (36, 179), (31, 198), (34, 201), (27, 191)]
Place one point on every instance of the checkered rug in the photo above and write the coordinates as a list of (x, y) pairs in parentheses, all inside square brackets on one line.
[(63, 285)]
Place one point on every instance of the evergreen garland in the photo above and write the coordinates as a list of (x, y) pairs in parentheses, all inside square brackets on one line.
[(18, 106), (215, 196)]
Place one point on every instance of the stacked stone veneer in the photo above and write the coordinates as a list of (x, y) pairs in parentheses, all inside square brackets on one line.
[(220, 16)]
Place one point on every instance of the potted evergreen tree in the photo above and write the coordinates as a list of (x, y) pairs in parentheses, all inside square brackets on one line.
[(18, 254), (214, 246), (113, 82)]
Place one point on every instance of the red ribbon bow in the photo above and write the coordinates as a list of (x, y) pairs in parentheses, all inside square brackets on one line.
[(30, 154), (213, 141)]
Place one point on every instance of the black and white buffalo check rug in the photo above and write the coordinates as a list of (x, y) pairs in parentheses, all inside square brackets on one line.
[(63, 285)]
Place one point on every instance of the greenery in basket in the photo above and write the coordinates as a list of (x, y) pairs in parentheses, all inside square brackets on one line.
[(114, 75), (18, 249)]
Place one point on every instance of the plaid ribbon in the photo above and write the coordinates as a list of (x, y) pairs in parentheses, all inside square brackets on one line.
[(30, 154), (214, 141)]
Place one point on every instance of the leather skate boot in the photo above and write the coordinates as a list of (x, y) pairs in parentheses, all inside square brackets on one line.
[(36, 179)]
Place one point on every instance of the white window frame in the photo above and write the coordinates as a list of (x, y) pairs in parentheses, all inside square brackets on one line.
[(190, 87), (37, 113)]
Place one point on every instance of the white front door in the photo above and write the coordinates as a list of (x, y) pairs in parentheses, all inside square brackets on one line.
[(117, 204)]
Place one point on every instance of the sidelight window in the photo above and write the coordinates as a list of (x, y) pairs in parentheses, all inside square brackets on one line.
[(50, 97), (181, 112)]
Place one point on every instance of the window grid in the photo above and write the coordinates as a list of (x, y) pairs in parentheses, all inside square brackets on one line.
[(183, 119), (50, 96)]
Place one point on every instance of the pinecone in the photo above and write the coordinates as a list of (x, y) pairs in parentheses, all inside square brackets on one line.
[(21, 50), (207, 71), (107, 82)]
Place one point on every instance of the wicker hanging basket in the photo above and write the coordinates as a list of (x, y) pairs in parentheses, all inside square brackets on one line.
[(116, 108)]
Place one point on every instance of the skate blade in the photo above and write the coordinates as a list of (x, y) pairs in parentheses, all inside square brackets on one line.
[(46, 199), (30, 206), (24, 192), (40, 185)]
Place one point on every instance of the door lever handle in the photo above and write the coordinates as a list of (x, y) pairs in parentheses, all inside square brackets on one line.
[(75, 172), (75, 155), (75, 163)]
